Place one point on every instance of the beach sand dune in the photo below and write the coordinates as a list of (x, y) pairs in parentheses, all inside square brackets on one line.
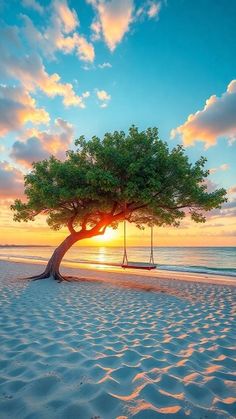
[(95, 350)]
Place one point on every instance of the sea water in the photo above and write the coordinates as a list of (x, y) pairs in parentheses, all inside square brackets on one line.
[(207, 260)]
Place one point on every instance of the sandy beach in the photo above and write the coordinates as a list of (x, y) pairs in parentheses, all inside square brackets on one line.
[(104, 347)]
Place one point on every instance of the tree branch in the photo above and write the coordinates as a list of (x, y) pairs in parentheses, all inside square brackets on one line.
[(85, 220), (114, 207), (103, 230), (108, 219), (70, 224)]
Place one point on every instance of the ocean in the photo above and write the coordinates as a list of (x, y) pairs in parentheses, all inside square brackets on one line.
[(206, 260)]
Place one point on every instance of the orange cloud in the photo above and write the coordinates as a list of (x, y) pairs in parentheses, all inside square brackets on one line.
[(41, 144), (113, 20), (29, 70), (17, 108), (96, 28), (224, 166), (52, 86), (11, 181), (60, 34), (103, 95), (85, 50), (216, 119), (232, 190), (67, 16), (104, 98)]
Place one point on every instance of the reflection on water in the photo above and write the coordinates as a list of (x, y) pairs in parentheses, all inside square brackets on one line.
[(102, 255), (217, 260)]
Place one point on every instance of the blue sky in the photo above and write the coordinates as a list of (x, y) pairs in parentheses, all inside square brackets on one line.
[(149, 63)]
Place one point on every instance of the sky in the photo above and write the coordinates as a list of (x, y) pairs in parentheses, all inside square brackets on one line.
[(71, 68)]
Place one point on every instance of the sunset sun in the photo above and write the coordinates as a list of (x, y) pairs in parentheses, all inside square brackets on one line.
[(108, 236)]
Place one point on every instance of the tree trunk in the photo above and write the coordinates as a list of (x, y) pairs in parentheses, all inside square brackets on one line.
[(52, 268)]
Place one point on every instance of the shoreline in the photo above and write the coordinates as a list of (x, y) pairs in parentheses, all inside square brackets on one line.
[(100, 269)]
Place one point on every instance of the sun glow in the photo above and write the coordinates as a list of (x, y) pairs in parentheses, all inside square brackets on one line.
[(109, 235)]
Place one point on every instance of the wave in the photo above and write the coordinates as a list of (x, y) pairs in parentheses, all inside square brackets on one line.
[(199, 269), (208, 261), (174, 268)]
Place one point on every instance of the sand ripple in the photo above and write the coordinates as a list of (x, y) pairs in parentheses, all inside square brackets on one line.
[(88, 350)]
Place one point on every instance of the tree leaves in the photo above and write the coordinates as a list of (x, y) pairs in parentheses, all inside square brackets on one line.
[(132, 176)]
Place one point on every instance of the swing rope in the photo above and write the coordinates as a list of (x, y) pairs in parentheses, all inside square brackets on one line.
[(125, 255), (151, 260)]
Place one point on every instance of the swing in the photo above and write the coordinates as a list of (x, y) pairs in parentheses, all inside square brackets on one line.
[(138, 265)]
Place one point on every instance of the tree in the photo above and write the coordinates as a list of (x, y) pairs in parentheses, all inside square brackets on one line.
[(134, 177)]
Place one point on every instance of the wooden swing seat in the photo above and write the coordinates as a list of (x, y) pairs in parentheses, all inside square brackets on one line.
[(139, 265)]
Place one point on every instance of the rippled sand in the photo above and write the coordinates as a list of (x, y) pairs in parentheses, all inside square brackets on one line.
[(82, 350)]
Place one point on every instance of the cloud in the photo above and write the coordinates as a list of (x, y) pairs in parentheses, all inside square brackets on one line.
[(215, 120), (211, 186), (67, 16), (29, 70), (33, 4), (86, 94), (228, 210), (223, 167), (85, 50), (103, 97), (214, 225), (149, 9), (105, 65), (228, 233), (153, 9), (230, 204), (17, 108), (28, 152), (113, 20), (232, 190), (60, 34), (11, 181), (41, 144), (96, 28), (52, 87)]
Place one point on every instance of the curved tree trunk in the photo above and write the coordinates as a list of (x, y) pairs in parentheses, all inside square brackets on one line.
[(52, 268)]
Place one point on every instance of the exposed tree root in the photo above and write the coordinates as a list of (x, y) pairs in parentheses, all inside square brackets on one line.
[(46, 275)]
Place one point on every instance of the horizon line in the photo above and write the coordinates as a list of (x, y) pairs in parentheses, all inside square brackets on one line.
[(118, 246)]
